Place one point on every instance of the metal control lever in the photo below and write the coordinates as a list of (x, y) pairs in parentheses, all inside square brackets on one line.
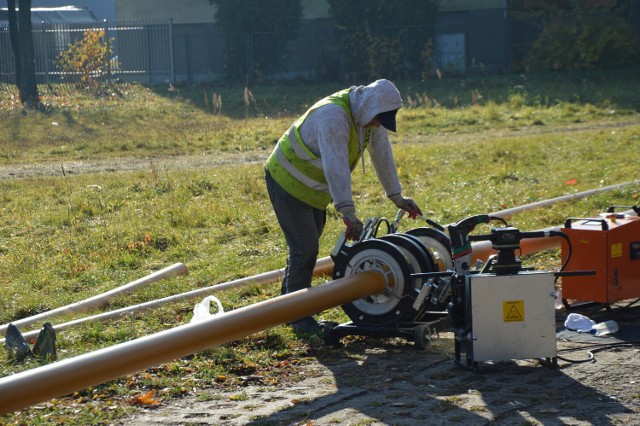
[(430, 222)]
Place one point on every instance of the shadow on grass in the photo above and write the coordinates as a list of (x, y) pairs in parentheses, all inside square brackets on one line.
[(615, 89)]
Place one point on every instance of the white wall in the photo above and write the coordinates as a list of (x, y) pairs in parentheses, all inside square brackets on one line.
[(102, 9), (195, 11), (182, 12)]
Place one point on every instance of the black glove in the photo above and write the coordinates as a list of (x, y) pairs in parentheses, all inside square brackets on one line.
[(354, 225), (406, 204)]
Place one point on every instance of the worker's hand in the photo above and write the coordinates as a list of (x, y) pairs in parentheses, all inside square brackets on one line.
[(354, 226), (406, 204)]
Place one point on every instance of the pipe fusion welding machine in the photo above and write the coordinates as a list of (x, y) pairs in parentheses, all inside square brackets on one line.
[(497, 311)]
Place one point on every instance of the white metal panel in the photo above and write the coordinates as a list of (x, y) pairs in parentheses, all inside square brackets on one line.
[(512, 316)]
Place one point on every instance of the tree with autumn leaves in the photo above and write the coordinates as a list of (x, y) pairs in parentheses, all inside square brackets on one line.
[(88, 58)]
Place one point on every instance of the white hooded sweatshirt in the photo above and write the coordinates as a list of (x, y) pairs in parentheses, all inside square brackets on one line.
[(326, 133)]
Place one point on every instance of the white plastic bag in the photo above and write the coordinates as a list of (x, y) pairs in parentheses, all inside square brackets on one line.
[(579, 323), (202, 310)]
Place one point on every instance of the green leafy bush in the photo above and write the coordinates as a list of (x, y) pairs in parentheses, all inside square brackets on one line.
[(581, 40), (265, 25), (381, 38)]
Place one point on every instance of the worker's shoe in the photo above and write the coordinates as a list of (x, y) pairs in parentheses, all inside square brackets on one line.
[(306, 326)]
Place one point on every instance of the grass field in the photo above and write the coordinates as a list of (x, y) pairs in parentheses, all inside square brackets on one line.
[(131, 120), (464, 147)]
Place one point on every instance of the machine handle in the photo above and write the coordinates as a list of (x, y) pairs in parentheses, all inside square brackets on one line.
[(612, 209), (574, 273), (432, 223), (605, 227)]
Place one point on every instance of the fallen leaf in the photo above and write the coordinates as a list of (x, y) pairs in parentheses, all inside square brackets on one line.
[(571, 182), (148, 398)]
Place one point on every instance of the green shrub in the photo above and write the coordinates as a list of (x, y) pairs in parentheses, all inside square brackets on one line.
[(581, 41), (382, 37), (275, 20)]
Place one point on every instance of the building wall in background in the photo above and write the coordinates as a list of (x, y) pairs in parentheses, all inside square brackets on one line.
[(102, 9), (315, 9), (182, 12), (458, 5)]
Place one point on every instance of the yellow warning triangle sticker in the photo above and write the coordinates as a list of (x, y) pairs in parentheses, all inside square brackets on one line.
[(513, 310)]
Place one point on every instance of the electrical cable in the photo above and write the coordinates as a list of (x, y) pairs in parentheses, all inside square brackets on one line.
[(377, 227), (578, 361), (598, 347), (570, 246), (499, 219), (569, 251), (628, 307)]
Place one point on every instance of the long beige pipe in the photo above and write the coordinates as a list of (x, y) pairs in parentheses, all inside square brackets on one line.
[(102, 299), (570, 197), (64, 377), (323, 267)]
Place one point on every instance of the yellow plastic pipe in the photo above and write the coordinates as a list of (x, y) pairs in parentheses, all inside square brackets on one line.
[(64, 377)]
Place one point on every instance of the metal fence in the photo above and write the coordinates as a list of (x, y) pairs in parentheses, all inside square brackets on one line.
[(141, 50), (150, 51), (158, 51), (203, 53)]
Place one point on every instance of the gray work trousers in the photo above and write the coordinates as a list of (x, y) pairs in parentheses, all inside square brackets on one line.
[(302, 226)]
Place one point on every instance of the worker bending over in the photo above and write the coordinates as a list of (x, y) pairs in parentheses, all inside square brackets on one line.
[(311, 166)]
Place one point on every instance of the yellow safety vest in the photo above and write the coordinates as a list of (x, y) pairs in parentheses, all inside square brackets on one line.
[(298, 170)]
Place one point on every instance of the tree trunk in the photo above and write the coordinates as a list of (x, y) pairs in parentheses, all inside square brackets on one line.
[(23, 52), (15, 38)]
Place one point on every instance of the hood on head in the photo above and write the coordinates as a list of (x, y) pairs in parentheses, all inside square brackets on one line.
[(373, 99)]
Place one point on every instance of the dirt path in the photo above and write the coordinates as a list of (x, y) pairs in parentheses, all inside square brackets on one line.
[(389, 382), (125, 164), (115, 165)]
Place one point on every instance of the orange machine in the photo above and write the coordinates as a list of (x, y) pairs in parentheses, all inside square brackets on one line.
[(610, 246)]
